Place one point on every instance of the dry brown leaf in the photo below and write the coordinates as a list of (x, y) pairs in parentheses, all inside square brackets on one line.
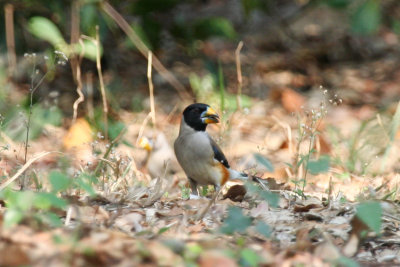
[(274, 185), (130, 222), (358, 227), (312, 216), (175, 211), (88, 214), (304, 259), (324, 146), (299, 208), (196, 228), (260, 210), (303, 241), (13, 255), (215, 259), (79, 134), (291, 100), (236, 193), (162, 255), (327, 251)]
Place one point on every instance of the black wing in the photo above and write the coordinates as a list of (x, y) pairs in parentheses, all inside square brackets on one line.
[(218, 154)]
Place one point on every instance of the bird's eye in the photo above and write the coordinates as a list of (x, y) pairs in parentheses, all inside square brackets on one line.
[(197, 110)]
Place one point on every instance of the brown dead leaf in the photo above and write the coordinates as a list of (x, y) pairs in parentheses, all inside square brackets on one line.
[(274, 185), (291, 100), (236, 193), (327, 251), (79, 134), (323, 145), (196, 228), (175, 211), (215, 258), (304, 259), (130, 222), (162, 255), (356, 234), (260, 210), (88, 214), (312, 216), (299, 208), (303, 241), (13, 255)]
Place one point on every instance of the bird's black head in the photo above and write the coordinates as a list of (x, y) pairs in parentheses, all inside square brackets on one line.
[(198, 115)]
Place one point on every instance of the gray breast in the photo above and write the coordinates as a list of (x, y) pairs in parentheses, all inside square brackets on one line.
[(195, 155)]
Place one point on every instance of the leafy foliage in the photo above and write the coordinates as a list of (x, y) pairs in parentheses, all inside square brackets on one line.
[(264, 161), (45, 29), (216, 26), (346, 262), (320, 165), (59, 181), (367, 18), (263, 229), (249, 257), (27, 204), (338, 3), (270, 197), (371, 214), (15, 121), (236, 221), (40, 205)]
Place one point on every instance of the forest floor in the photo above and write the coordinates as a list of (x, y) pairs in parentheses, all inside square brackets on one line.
[(320, 129)]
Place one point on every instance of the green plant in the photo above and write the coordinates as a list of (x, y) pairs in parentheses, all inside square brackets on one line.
[(236, 221), (210, 88), (249, 257), (260, 193), (308, 131), (371, 214), (42, 205), (46, 30), (31, 205), (185, 192), (370, 143), (59, 58)]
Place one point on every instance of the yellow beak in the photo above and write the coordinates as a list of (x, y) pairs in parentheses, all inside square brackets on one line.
[(145, 144), (210, 116)]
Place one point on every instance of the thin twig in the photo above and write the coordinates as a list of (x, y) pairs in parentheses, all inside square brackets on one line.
[(10, 38), (81, 97), (89, 90), (151, 89), (28, 123), (75, 21), (102, 88), (26, 165), (203, 213), (135, 39), (239, 75), (141, 130), (108, 151), (31, 91)]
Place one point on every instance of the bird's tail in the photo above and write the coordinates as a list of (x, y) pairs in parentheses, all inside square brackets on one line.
[(235, 175)]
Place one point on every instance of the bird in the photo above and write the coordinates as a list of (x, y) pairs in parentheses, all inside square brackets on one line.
[(199, 155), (160, 159)]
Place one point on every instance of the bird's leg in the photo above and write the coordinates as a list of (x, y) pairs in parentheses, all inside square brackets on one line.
[(212, 200), (193, 186), (217, 188)]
